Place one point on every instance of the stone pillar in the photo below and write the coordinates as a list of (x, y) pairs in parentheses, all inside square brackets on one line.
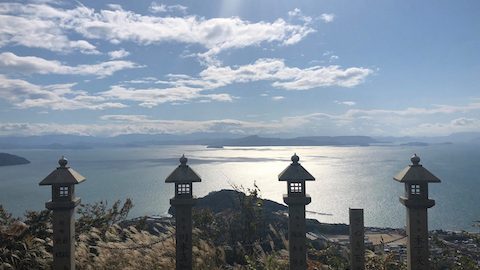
[(357, 239), (183, 177), (296, 199), (416, 179), (297, 248), (417, 238), (63, 205), (183, 232), (63, 237)]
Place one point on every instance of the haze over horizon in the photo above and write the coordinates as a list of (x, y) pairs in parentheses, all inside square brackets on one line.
[(300, 68)]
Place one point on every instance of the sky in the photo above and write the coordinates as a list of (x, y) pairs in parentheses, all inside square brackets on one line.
[(241, 67)]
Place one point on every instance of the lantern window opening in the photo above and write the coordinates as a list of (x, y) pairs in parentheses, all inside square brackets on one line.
[(296, 187), (415, 189), (183, 189), (63, 191)]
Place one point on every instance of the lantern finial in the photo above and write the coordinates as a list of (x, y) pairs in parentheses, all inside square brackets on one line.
[(63, 162), (415, 159), (183, 160), (295, 158)]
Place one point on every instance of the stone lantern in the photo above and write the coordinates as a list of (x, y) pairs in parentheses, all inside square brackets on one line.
[(63, 203), (183, 177), (416, 179), (296, 199)]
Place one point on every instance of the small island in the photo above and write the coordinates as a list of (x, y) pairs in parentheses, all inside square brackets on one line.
[(215, 146), (9, 159)]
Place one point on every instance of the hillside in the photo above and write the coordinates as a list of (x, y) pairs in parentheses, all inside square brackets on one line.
[(9, 159), (231, 230)]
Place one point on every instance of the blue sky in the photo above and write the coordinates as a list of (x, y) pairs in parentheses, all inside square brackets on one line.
[(239, 66)]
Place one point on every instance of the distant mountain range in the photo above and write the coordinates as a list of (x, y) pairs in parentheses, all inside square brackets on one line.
[(218, 140), (459, 137)]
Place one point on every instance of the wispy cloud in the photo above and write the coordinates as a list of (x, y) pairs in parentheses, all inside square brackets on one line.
[(297, 14), (462, 124), (151, 97), (289, 78), (23, 94), (118, 54), (182, 88), (156, 7), (331, 56), (12, 63), (348, 103), (43, 26), (349, 122), (327, 17), (39, 26)]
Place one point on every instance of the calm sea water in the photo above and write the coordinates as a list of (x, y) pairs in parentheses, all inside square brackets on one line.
[(345, 177)]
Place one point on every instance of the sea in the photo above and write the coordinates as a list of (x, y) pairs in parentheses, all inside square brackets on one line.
[(345, 177)]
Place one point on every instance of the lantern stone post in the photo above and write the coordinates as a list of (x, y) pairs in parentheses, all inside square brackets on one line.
[(296, 199), (416, 179), (63, 203), (183, 177)]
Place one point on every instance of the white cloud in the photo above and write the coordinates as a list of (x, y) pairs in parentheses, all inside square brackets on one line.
[(297, 14), (348, 103), (112, 125), (462, 124), (182, 88), (114, 7), (11, 63), (314, 123), (43, 26), (289, 78), (144, 124), (118, 54), (145, 80), (124, 118), (23, 94), (318, 76), (151, 97), (331, 56), (157, 8), (38, 26), (56, 2), (47, 27), (277, 98), (413, 112), (327, 17), (161, 8)]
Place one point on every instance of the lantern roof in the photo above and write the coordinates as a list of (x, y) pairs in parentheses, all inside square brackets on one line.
[(416, 173), (295, 172), (63, 175), (183, 173)]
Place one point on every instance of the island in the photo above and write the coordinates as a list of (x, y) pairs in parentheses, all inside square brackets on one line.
[(215, 146), (9, 159)]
